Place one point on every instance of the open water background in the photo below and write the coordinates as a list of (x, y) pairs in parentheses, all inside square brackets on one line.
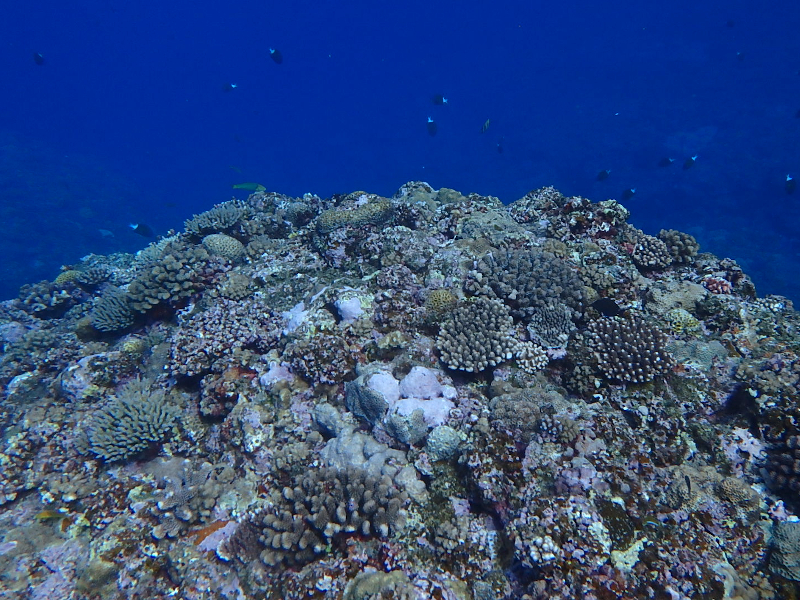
[(127, 120)]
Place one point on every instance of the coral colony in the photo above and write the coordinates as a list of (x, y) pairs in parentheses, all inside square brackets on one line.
[(426, 396)]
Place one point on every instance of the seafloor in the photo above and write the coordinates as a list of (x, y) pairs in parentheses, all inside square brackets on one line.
[(426, 396)]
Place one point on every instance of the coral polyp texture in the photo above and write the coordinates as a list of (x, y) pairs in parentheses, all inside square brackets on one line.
[(428, 395), (628, 349)]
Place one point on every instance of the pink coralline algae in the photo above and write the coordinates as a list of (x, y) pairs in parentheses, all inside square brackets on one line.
[(415, 397)]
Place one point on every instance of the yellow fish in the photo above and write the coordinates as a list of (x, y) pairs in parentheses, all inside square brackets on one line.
[(485, 126), (47, 515), (250, 187)]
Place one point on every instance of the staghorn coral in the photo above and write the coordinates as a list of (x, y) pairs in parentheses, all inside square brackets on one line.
[(477, 335), (132, 422), (323, 504), (112, 312), (628, 349), (527, 281)]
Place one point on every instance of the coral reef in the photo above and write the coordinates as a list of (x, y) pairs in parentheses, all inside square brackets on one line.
[(431, 395)]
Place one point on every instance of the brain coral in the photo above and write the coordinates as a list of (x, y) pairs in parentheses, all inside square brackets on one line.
[(223, 245), (112, 312)]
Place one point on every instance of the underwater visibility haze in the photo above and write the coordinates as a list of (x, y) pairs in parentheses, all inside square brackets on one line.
[(116, 113), (412, 300)]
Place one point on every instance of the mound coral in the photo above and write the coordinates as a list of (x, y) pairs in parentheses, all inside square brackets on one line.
[(112, 312), (477, 335), (176, 275), (322, 505), (528, 280), (628, 349), (131, 423)]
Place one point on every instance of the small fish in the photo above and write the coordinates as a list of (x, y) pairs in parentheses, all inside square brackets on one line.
[(38, 58), (105, 233), (791, 185), (439, 100), (229, 87), (276, 55), (48, 515), (603, 175), (689, 162), (249, 186), (629, 193), (666, 161), (142, 229), (607, 307), (500, 146), (739, 56), (432, 127), (485, 126)]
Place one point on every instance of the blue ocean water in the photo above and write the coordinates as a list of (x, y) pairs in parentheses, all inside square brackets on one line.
[(131, 116)]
